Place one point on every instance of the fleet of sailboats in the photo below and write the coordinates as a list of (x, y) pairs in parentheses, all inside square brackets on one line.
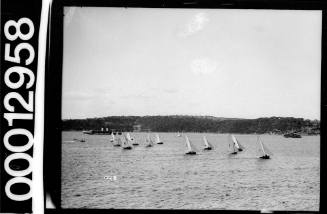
[(126, 141)]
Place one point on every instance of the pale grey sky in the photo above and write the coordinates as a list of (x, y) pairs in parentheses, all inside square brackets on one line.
[(219, 62)]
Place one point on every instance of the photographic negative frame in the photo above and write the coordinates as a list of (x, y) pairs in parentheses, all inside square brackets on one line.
[(53, 90)]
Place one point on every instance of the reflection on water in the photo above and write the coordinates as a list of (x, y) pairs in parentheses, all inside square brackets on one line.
[(97, 175)]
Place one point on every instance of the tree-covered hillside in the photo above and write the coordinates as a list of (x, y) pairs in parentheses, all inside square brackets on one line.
[(177, 123)]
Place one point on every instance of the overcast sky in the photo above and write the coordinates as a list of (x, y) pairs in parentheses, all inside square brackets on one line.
[(227, 63)]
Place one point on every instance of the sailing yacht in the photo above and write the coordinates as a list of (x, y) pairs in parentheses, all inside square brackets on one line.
[(131, 140), (208, 145), (112, 137), (117, 142), (265, 153), (190, 147), (237, 144), (232, 147), (158, 139), (149, 142), (125, 144)]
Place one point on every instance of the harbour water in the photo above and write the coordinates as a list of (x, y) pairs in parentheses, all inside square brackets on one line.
[(95, 174)]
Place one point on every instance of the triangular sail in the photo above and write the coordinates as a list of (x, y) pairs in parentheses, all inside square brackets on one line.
[(235, 142), (188, 144), (112, 137), (148, 140), (231, 145), (125, 141), (158, 138), (263, 148), (206, 143), (128, 137)]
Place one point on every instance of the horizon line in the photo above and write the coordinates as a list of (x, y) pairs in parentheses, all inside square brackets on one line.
[(187, 115)]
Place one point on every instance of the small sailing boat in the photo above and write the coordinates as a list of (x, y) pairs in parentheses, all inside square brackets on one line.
[(112, 137), (149, 142), (265, 153), (117, 142), (237, 144), (132, 140), (208, 145), (190, 147), (125, 144), (179, 134), (231, 145), (158, 139)]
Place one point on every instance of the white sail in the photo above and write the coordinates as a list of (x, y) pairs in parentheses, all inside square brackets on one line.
[(128, 137), (149, 141), (264, 150), (188, 144), (112, 137), (231, 145), (125, 142), (158, 138), (235, 142), (205, 141)]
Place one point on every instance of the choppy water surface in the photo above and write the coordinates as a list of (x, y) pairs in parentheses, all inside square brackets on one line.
[(162, 177)]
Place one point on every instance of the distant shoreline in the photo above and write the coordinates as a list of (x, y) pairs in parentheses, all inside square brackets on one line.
[(207, 124), (226, 133)]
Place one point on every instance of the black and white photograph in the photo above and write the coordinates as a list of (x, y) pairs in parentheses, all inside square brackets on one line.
[(193, 109)]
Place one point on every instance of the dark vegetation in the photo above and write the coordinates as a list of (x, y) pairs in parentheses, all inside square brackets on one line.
[(276, 125)]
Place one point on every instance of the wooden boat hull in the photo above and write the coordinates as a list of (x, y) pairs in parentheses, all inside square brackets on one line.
[(190, 153), (265, 157), (160, 143), (127, 148), (135, 144), (116, 145), (207, 148), (233, 153)]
